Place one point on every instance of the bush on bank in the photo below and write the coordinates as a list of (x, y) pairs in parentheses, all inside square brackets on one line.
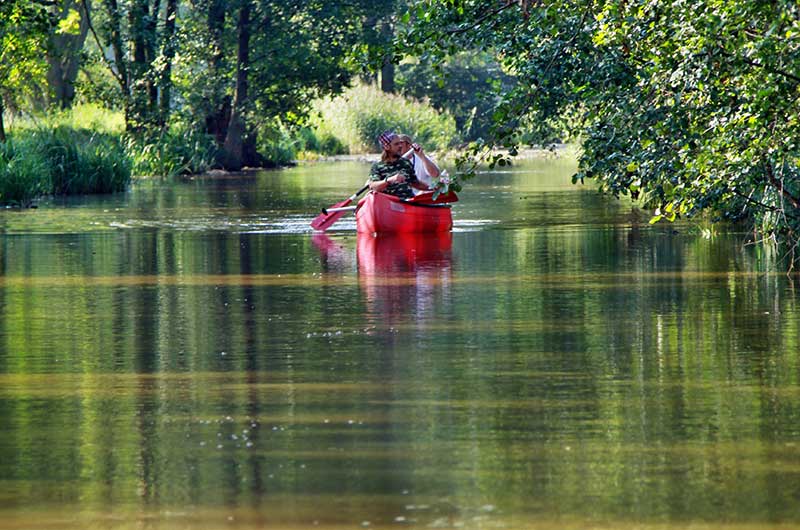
[(167, 153), (60, 161), (21, 173), (356, 118)]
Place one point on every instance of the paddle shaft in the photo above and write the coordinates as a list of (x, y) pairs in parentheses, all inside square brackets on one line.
[(326, 211), (359, 192)]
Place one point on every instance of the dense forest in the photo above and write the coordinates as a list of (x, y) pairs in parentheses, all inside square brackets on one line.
[(688, 107)]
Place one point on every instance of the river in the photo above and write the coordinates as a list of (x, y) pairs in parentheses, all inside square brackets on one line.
[(189, 355)]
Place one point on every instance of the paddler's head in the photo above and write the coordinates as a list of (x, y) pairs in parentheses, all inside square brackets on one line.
[(391, 144)]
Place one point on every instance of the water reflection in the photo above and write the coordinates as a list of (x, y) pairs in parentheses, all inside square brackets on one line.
[(334, 255), (402, 274), (568, 366)]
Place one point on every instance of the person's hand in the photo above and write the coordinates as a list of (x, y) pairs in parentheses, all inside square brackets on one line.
[(397, 178), (417, 148)]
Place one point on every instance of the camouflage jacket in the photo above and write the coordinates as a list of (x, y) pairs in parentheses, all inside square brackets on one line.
[(381, 170)]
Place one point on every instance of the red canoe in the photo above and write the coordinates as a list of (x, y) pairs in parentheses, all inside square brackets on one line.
[(381, 213)]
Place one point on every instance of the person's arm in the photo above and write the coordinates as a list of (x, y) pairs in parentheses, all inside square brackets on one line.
[(381, 185), (430, 166), (377, 183)]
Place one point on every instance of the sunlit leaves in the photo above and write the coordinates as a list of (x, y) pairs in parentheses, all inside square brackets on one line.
[(690, 106), (23, 36), (70, 24)]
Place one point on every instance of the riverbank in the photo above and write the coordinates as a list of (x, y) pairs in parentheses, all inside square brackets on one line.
[(530, 153)]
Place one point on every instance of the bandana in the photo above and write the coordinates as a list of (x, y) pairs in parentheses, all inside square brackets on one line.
[(385, 139)]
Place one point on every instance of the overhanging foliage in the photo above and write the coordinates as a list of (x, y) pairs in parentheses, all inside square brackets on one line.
[(690, 104)]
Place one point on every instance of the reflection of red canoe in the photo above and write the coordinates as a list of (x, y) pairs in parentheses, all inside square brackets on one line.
[(379, 212), (384, 254)]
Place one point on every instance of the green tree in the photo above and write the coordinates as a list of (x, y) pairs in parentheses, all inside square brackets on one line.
[(140, 35), (691, 105), (374, 48), (287, 53), (466, 85), (65, 45), (24, 26)]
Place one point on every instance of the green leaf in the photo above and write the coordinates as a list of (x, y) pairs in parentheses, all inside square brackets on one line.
[(71, 24)]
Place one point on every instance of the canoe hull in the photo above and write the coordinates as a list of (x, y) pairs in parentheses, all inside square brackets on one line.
[(382, 213)]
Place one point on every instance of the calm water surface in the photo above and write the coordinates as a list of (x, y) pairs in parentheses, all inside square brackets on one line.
[(190, 355)]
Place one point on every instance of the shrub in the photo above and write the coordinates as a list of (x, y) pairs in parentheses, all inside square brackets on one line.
[(279, 144), (309, 145), (22, 174), (82, 161), (358, 116), (60, 161), (307, 140), (177, 151), (330, 145)]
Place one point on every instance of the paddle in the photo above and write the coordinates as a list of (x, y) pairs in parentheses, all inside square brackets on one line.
[(333, 213)]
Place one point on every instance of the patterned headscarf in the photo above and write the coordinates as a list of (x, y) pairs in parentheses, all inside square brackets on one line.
[(385, 139)]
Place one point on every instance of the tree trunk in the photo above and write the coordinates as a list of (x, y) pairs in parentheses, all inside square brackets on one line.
[(218, 114), (387, 68), (141, 95), (387, 77), (2, 123), (64, 58), (233, 149), (150, 47), (169, 54), (119, 68)]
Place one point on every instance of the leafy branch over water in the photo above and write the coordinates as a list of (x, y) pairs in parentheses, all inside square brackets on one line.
[(689, 107)]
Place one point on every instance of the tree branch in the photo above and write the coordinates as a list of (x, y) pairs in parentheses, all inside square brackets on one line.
[(751, 200), (778, 185), (757, 64), (108, 62), (480, 20)]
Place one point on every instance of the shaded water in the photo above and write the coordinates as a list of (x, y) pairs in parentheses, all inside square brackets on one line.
[(189, 355)]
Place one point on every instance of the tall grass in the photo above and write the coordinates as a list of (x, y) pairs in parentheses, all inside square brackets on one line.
[(357, 117), (23, 173), (81, 161), (177, 151), (60, 161), (85, 116)]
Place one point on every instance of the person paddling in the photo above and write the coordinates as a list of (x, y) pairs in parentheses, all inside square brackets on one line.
[(424, 167), (393, 174)]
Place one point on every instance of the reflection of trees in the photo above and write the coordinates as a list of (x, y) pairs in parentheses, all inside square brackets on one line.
[(645, 376)]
